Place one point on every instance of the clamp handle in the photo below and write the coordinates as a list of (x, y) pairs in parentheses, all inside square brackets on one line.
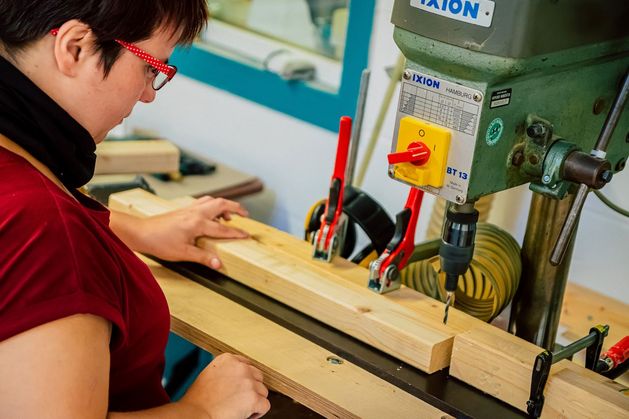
[(600, 151), (326, 240), (618, 353), (384, 271), (401, 246), (541, 371)]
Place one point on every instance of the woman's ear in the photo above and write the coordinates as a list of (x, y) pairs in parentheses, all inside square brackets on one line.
[(74, 43)]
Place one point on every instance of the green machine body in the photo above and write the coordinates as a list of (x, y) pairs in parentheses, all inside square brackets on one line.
[(520, 84)]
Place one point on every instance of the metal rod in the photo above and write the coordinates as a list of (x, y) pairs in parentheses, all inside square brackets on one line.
[(613, 116), (574, 347), (382, 113), (357, 126), (598, 151), (568, 226)]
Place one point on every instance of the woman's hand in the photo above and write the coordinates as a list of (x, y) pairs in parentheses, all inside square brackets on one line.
[(229, 388), (172, 236)]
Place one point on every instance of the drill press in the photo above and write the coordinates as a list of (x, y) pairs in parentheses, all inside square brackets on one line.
[(511, 92)]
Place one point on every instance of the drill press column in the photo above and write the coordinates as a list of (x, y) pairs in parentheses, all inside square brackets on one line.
[(536, 307)]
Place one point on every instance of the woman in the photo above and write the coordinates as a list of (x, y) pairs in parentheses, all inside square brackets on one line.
[(83, 324)]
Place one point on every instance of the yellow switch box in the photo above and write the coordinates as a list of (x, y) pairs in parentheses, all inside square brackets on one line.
[(436, 138)]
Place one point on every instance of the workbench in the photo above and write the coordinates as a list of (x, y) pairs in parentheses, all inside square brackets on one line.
[(338, 375), (327, 370)]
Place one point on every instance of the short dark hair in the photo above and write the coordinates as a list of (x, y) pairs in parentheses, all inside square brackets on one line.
[(25, 21)]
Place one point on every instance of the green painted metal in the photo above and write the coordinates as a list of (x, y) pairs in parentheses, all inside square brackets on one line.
[(551, 182), (572, 89), (520, 28)]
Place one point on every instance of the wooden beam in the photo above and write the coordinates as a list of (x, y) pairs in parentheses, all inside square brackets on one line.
[(501, 364), (146, 156), (405, 323), (291, 364)]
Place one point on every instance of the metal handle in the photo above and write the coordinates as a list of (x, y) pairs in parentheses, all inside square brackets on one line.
[(599, 150), (358, 125), (417, 153)]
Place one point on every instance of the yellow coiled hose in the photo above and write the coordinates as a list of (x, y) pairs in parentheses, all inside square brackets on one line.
[(492, 279)]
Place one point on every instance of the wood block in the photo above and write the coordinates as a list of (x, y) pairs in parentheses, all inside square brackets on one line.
[(150, 156), (405, 323), (582, 308), (580, 393), (291, 364), (501, 364)]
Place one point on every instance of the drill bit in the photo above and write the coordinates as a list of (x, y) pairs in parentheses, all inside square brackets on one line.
[(449, 302)]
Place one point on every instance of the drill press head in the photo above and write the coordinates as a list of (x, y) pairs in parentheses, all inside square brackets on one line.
[(507, 80), (509, 92)]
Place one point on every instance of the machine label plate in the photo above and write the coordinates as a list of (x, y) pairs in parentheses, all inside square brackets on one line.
[(476, 12), (500, 98), (451, 106)]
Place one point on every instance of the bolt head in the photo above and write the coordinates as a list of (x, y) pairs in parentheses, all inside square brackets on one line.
[(460, 199), (334, 360), (518, 158), (391, 273), (599, 106), (406, 75), (533, 159), (477, 97), (546, 179), (536, 131), (607, 176)]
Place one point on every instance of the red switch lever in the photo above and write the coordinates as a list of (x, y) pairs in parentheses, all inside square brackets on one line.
[(417, 153)]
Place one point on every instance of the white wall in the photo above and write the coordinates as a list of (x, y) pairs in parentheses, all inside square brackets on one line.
[(294, 159)]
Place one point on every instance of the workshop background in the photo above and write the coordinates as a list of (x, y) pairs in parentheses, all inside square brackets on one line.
[(294, 159)]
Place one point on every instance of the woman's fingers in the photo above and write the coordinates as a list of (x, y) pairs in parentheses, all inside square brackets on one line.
[(214, 208), (217, 230), (202, 256), (262, 406)]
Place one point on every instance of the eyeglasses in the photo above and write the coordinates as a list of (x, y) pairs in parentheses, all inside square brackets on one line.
[(162, 73)]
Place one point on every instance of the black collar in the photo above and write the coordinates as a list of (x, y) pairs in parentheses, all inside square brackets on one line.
[(30, 118)]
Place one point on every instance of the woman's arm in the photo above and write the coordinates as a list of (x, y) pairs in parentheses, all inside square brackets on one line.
[(61, 370), (57, 370), (171, 236)]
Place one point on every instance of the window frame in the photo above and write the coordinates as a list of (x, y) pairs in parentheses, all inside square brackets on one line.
[(300, 99)]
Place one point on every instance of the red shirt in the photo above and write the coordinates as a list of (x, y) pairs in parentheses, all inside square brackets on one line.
[(58, 257)]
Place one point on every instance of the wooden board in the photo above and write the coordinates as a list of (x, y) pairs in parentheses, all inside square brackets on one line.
[(501, 364), (291, 364), (152, 156), (405, 323), (582, 308)]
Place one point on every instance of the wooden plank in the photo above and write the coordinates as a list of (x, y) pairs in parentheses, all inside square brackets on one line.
[(291, 364), (405, 323), (583, 308), (152, 156), (501, 364)]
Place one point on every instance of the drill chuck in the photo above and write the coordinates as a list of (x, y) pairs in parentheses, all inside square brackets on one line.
[(457, 243)]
